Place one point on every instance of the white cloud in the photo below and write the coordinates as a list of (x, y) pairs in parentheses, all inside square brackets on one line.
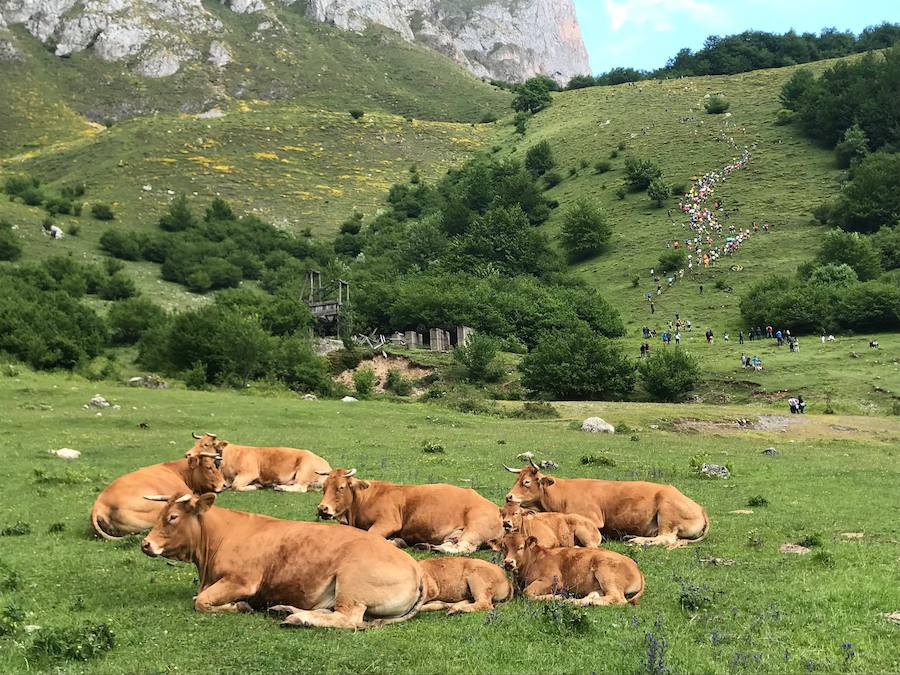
[(657, 13)]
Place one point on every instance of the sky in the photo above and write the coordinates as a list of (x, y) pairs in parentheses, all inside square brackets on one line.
[(645, 33)]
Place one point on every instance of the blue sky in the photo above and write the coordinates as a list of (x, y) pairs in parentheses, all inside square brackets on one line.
[(644, 33)]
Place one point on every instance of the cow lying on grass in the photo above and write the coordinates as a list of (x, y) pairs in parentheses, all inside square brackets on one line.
[(584, 576), (442, 517), (121, 508), (644, 513), (249, 468), (463, 585), (320, 575), (551, 530)]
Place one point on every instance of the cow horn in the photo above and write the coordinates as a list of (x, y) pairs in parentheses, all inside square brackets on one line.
[(211, 435), (510, 469), (183, 498), (531, 461), (351, 472), (157, 498), (324, 473), (209, 454), (194, 434)]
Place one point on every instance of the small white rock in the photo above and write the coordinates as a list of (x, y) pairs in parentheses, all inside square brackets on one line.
[(66, 453), (349, 399), (597, 425)]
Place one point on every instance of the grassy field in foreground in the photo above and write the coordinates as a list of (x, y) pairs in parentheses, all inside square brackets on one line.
[(766, 612)]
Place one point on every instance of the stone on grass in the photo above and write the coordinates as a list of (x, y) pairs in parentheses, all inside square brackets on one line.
[(715, 471), (793, 548), (771, 452), (595, 425), (892, 616), (349, 399), (310, 397), (742, 512), (66, 453), (97, 401), (548, 465), (852, 535)]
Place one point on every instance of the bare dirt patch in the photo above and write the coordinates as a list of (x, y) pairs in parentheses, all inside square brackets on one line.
[(381, 364), (761, 423)]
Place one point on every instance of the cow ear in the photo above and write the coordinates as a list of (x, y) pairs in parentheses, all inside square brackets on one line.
[(204, 502), (220, 445), (546, 480), (192, 461), (359, 485), (531, 541), (528, 512)]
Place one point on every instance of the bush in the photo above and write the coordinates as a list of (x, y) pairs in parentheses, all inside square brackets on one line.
[(364, 381), (117, 287), (602, 166), (356, 114), (872, 198), (639, 173), (577, 365), (585, 230), (716, 104), (535, 410), (179, 216), (539, 159), (532, 96), (78, 643), (10, 248), (793, 91), (297, 365), (130, 319), (488, 118), (195, 376), (519, 122), (432, 448), (120, 245), (783, 117), (16, 185), (669, 374), (32, 196), (658, 191), (397, 383), (58, 205), (478, 359), (672, 260), (852, 147), (859, 252), (74, 230), (102, 211)]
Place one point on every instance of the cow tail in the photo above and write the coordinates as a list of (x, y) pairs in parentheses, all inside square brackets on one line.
[(637, 596), (97, 521), (705, 530)]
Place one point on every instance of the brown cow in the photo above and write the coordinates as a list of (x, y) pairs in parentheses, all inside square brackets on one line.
[(584, 576), (321, 575), (121, 508), (249, 468), (551, 530), (446, 518), (645, 513), (460, 584)]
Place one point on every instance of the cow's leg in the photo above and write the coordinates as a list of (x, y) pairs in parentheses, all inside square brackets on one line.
[(344, 617), (482, 595), (435, 606), (588, 536), (540, 590), (243, 483), (614, 596), (291, 487), (226, 595), (385, 528)]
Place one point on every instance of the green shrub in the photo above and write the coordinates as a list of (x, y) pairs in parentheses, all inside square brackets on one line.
[(783, 117), (716, 104), (488, 118), (539, 158), (74, 230), (179, 217), (693, 596), (669, 374), (620, 193), (597, 460), (639, 173), (577, 365), (130, 319), (602, 166), (852, 147), (658, 191), (397, 382), (120, 244), (296, 364), (532, 96), (20, 529), (78, 643), (195, 376), (552, 179), (117, 287), (356, 113), (16, 185), (58, 205), (585, 230), (432, 448), (519, 122), (672, 260), (32, 196), (102, 211), (478, 359), (10, 248), (535, 410), (872, 197), (364, 381), (613, 154)]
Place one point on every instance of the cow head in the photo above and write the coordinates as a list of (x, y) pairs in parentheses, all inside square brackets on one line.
[(177, 530), (529, 486), (517, 550), (206, 443), (204, 474), (338, 492), (511, 516)]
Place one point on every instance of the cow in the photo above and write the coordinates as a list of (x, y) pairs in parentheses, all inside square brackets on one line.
[(441, 517), (643, 513), (250, 468), (551, 530), (460, 584), (583, 576), (121, 508), (320, 575)]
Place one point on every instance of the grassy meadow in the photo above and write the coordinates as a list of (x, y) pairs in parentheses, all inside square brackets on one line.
[(731, 603)]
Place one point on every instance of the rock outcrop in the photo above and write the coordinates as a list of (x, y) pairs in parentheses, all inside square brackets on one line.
[(508, 40)]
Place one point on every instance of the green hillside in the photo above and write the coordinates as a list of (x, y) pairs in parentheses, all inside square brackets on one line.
[(665, 121)]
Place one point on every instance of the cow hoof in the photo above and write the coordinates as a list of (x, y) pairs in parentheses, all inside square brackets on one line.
[(422, 546), (243, 606), (284, 610), (293, 621), (399, 543)]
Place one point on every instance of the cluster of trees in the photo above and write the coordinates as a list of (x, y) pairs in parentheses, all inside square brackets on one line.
[(219, 250), (752, 50), (68, 201), (853, 284)]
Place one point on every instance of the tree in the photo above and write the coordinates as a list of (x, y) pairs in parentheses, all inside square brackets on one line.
[(532, 96), (839, 247), (658, 191), (581, 82), (717, 104), (218, 210), (585, 230), (872, 198), (539, 158), (577, 365), (887, 241), (120, 245), (639, 173), (796, 88), (478, 359), (179, 216), (130, 319), (669, 374), (842, 275), (852, 148), (672, 260)]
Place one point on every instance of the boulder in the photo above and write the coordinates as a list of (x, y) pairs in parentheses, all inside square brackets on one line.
[(793, 548), (715, 471), (310, 397), (349, 399), (595, 425), (548, 465), (66, 453), (771, 452), (97, 401)]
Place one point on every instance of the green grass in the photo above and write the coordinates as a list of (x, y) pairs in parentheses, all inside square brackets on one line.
[(768, 612)]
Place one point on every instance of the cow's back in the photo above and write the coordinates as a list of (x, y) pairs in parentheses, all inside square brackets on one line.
[(439, 509), (121, 507)]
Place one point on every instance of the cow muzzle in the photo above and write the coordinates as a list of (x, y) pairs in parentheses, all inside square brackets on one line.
[(507, 526), (149, 549), (325, 512), (510, 497), (509, 564)]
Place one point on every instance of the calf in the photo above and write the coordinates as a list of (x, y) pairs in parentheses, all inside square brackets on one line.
[(320, 575), (551, 530), (460, 584), (446, 518), (645, 513), (584, 576), (121, 508), (249, 468)]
